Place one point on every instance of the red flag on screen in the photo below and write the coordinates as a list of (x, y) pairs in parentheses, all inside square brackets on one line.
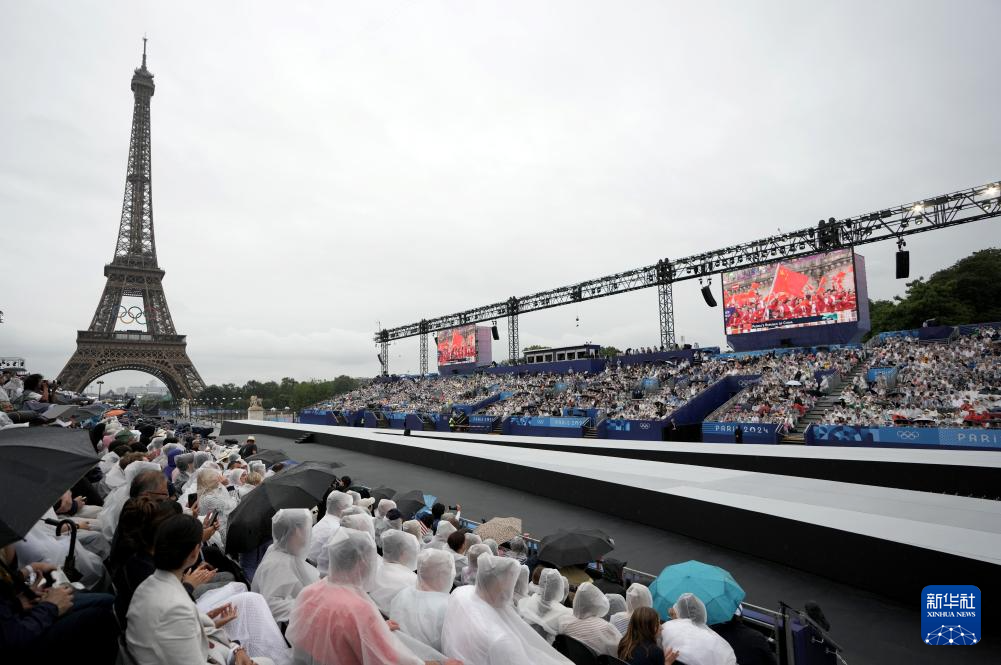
[(789, 282)]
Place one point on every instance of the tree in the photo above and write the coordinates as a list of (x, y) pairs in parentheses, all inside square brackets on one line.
[(967, 292), (534, 347), (609, 352)]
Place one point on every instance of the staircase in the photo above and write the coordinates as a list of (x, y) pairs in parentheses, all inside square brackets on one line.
[(818, 414), (590, 431), (381, 420), (498, 427)]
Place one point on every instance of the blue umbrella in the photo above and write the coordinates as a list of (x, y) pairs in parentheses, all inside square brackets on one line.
[(714, 586)]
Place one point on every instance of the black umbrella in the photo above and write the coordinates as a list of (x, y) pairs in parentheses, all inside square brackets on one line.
[(380, 493), (37, 465), (574, 547), (301, 486), (269, 457), (410, 503)]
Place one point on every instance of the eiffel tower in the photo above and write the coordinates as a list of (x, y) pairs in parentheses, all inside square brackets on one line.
[(133, 273)]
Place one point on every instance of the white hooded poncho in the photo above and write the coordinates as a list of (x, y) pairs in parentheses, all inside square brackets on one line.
[(688, 633), (284, 571), (481, 626)]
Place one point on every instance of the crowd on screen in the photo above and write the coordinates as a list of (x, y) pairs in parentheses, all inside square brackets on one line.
[(351, 581), (955, 383)]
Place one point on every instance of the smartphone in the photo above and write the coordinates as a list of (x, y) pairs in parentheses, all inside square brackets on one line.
[(213, 516), (192, 498)]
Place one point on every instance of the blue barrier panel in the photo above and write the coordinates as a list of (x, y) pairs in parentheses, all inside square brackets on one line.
[(369, 419), (570, 412), (545, 426), (585, 365), (482, 423), (660, 356), (638, 430), (484, 403), (753, 432), (904, 437), (696, 409), (317, 417), (874, 373), (413, 422), (397, 419)]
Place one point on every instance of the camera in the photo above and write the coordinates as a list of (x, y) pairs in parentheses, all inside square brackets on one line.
[(453, 508)]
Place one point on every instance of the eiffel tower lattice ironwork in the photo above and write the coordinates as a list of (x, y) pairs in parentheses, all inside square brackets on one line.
[(133, 273)]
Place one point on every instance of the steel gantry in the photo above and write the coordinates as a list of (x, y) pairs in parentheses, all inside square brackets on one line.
[(939, 212)]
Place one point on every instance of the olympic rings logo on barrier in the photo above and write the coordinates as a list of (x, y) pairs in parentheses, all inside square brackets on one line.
[(134, 314), (907, 434)]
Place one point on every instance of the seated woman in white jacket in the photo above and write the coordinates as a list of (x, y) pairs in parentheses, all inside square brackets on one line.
[(399, 560), (164, 625), (284, 570), (588, 624)]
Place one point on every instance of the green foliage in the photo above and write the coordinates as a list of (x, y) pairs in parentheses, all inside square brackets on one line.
[(289, 392), (967, 292), (534, 347), (609, 352)]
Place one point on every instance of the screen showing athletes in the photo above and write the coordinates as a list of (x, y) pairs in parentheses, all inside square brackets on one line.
[(457, 345), (808, 291)]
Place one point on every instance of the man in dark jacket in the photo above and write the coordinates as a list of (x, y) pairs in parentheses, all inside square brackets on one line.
[(611, 577), (749, 646)]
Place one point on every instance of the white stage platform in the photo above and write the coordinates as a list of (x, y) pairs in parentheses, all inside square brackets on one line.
[(807, 519)]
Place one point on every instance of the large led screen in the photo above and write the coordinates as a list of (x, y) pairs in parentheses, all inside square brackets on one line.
[(456, 346), (806, 291)]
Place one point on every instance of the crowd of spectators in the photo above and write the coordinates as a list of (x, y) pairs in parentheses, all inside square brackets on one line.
[(351, 581), (952, 383), (789, 386)]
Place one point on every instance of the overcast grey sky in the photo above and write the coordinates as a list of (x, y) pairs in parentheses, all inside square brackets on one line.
[(319, 167)]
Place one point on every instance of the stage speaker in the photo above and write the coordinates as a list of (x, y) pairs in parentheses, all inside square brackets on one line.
[(493, 330), (707, 294), (903, 264), (379, 356)]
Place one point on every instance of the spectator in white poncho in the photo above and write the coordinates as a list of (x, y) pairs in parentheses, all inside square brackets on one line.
[(284, 571), (399, 560)]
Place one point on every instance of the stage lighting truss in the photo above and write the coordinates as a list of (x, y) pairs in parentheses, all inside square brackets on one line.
[(963, 207)]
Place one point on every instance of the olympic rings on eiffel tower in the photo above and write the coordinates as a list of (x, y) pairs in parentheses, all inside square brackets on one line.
[(134, 314)]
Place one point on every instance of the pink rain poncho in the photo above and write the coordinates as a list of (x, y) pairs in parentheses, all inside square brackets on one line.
[(334, 622)]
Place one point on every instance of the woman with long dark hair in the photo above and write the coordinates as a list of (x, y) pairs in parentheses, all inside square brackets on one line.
[(640, 644)]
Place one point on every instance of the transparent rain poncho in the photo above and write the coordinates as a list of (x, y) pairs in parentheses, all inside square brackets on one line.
[(385, 505), (481, 626), (440, 539), (337, 502), (413, 527), (616, 604), (637, 595), (545, 609), (107, 520), (697, 643), (472, 556), (284, 571), (399, 559), (588, 624), (420, 610), (334, 622), (521, 587)]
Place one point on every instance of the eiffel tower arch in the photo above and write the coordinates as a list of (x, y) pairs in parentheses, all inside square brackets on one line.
[(134, 274)]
